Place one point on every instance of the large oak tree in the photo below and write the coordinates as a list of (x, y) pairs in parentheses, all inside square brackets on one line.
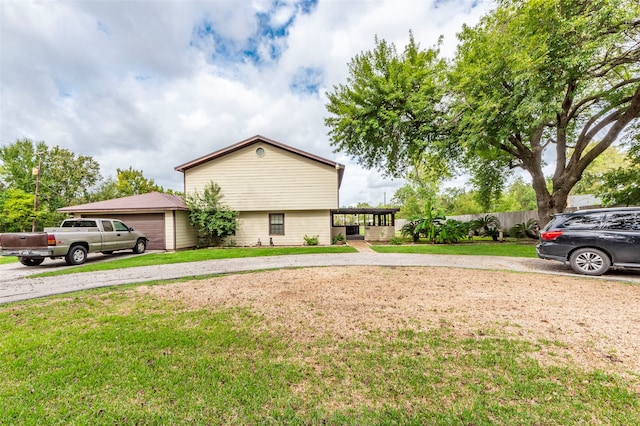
[(536, 83)]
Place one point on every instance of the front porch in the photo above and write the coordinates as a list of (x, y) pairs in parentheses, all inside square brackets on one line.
[(367, 224)]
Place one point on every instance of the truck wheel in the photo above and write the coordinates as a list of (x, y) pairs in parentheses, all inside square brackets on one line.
[(140, 247), (77, 255), (590, 261), (31, 261)]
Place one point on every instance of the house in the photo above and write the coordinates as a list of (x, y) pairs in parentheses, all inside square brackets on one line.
[(281, 193), (163, 217)]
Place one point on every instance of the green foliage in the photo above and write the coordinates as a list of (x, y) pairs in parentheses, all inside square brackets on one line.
[(593, 176), (457, 201), (387, 117), (311, 240), (451, 231), (526, 229), (338, 239), (621, 186), (65, 178), (412, 197), (486, 226), (548, 74), (16, 211), (531, 78), (435, 227), (396, 241), (213, 221), (128, 182)]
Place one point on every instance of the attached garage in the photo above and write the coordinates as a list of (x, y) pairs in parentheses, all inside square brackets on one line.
[(163, 217), (151, 224)]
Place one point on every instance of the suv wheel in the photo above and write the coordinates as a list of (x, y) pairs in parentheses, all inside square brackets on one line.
[(590, 261)]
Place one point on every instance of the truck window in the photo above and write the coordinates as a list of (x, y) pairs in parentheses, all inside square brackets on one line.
[(107, 226), (120, 226), (79, 224)]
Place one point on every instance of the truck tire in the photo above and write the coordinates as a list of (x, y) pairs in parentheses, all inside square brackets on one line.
[(140, 247), (77, 255), (31, 261)]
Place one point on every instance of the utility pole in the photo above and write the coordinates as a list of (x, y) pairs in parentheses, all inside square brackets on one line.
[(36, 171)]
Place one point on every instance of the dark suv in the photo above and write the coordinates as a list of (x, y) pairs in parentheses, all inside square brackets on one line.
[(592, 241)]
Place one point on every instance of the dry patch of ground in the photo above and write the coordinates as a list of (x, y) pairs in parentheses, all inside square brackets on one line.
[(595, 323)]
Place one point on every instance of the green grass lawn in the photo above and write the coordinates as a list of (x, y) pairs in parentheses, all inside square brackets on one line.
[(196, 256), (7, 259), (475, 248), (109, 357)]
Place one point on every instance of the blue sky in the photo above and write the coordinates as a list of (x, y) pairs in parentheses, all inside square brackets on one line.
[(153, 84)]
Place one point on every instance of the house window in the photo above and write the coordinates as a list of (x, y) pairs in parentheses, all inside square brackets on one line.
[(276, 223)]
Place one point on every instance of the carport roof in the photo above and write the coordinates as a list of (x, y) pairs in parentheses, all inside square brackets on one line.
[(153, 201)]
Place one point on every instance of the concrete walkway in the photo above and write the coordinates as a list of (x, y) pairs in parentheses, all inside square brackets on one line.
[(15, 286)]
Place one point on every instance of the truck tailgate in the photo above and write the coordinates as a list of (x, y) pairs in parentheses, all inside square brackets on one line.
[(24, 240)]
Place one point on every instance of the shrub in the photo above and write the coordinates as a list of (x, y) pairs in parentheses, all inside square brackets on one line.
[(451, 232), (529, 229), (396, 241), (211, 219), (487, 226), (311, 241), (338, 239)]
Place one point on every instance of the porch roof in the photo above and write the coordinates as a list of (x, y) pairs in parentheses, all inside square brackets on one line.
[(369, 210)]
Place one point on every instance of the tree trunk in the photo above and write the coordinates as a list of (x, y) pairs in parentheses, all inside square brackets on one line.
[(548, 203)]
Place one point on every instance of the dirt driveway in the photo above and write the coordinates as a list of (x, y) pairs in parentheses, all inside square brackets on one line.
[(595, 323)]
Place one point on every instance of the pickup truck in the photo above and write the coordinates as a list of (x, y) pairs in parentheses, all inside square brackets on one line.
[(72, 240)]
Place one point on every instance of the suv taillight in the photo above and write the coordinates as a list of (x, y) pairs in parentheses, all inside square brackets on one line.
[(550, 235), (51, 240)]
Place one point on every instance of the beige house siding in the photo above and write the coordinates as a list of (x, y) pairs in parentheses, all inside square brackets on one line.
[(255, 225), (185, 235), (278, 180)]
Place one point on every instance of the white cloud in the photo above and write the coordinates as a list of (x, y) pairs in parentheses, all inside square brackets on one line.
[(155, 84)]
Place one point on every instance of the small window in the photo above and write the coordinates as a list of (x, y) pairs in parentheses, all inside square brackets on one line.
[(107, 226), (260, 152), (120, 226), (276, 223)]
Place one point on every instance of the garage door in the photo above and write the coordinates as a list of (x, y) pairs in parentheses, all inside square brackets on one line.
[(151, 224)]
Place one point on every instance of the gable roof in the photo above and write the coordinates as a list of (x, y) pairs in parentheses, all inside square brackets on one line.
[(153, 201), (260, 139)]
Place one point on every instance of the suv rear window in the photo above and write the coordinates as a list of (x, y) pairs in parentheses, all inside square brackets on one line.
[(625, 221), (585, 221)]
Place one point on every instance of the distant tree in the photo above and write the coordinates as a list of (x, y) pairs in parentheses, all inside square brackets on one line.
[(518, 196), (16, 211), (387, 116), (593, 176), (65, 177), (458, 201), (621, 186), (210, 217), (412, 197), (133, 182)]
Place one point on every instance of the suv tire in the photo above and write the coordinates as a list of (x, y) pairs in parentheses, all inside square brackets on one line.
[(590, 261)]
